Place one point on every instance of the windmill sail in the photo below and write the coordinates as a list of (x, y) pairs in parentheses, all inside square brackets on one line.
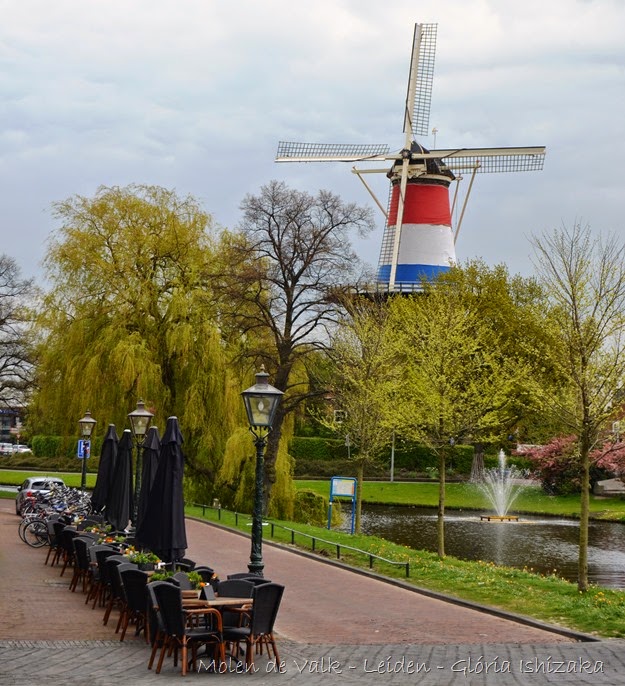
[(418, 241), (420, 80)]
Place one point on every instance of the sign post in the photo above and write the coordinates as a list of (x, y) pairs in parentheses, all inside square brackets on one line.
[(343, 487), (84, 449)]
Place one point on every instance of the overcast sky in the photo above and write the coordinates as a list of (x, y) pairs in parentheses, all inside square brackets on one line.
[(195, 95)]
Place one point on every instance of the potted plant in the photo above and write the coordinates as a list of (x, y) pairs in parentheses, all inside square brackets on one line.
[(144, 559), (196, 580), (161, 575)]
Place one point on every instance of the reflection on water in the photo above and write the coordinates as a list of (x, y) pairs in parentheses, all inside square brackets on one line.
[(544, 545)]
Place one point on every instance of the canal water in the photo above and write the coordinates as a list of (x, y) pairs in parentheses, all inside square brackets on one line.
[(543, 544)]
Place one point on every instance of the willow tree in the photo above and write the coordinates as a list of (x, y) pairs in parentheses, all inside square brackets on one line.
[(291, 256), (457, 382), (585, 280), (129, 315)]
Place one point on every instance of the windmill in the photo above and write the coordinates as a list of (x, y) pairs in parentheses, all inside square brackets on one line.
[(419, 239)]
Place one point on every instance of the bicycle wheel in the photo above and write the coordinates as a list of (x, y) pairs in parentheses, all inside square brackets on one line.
[(22, 525), (36, 533)]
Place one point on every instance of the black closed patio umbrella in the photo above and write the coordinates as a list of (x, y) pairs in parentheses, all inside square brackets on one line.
[(162, 529), (106, 468), (119, 504), (151, 450)]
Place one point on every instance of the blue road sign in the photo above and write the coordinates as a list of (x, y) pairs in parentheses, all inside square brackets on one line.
[(84, 449)]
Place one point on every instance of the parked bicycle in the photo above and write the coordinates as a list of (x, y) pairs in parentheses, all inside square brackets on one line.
[(59, 502)]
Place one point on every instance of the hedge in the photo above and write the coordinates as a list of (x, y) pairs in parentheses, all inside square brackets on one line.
[(61, 446), (327, 468), (325, 455), (315, 448)]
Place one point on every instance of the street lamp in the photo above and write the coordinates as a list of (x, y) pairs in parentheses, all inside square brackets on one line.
[(261, 402), (87, 424), (140, 419)]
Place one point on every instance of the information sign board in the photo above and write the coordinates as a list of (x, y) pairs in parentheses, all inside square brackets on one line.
[(342, 487)]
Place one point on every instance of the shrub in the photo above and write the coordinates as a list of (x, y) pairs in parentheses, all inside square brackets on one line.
[(460, 459), (310, 508)]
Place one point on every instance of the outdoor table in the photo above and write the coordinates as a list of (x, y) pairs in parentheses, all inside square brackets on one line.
[(195, 608), (192, 603)]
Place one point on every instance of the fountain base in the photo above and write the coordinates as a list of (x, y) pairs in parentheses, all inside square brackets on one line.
[(499, 518)]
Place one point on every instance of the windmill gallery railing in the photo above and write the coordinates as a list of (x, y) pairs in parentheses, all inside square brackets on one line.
[(317, 543)]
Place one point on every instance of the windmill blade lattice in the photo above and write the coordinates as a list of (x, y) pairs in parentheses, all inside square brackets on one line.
[(492, 160), (289, 151), (420, 80)]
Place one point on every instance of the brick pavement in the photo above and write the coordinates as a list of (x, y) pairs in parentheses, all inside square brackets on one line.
[(334, 626)]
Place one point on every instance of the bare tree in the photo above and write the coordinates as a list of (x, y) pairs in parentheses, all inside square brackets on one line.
[(287, 267), (585, 279), (15, 357)]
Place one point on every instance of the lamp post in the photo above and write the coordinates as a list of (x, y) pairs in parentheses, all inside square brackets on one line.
[(261, 402), (87, 424), (140, 419)]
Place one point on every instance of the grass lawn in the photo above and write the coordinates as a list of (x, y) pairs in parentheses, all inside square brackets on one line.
[(468, 496), (15, 477)]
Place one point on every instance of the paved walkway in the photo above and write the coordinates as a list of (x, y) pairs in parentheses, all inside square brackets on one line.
[(334, 626)]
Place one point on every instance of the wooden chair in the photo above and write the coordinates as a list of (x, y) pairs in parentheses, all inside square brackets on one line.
[(178, 635), (258, 632), (135, 607)]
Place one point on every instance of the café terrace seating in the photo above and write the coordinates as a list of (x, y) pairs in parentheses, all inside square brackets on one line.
[(135, 607), (173, 622), (100, 584), (66, 547), (117, 598), (257, 631), (52, 539), (176, 632), (82, 563)]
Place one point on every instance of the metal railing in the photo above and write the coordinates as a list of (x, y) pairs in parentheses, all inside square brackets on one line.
[(314, 540)]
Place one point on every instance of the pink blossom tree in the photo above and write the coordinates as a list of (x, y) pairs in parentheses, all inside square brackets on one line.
[(558, 466)]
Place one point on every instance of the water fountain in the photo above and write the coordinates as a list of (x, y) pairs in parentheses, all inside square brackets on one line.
[(501, 487)]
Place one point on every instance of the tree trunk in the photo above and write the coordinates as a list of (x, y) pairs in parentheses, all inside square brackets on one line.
[(440, 522), (582, 565), (271, 454), (477, 466), (360, 475)]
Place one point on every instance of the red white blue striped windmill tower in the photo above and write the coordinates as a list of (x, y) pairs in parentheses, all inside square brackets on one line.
[(419, 238)]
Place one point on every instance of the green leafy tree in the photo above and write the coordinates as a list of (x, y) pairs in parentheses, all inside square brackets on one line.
[(514, 308), (129, 315), (456, 383), (584, 277), (363, 377)]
